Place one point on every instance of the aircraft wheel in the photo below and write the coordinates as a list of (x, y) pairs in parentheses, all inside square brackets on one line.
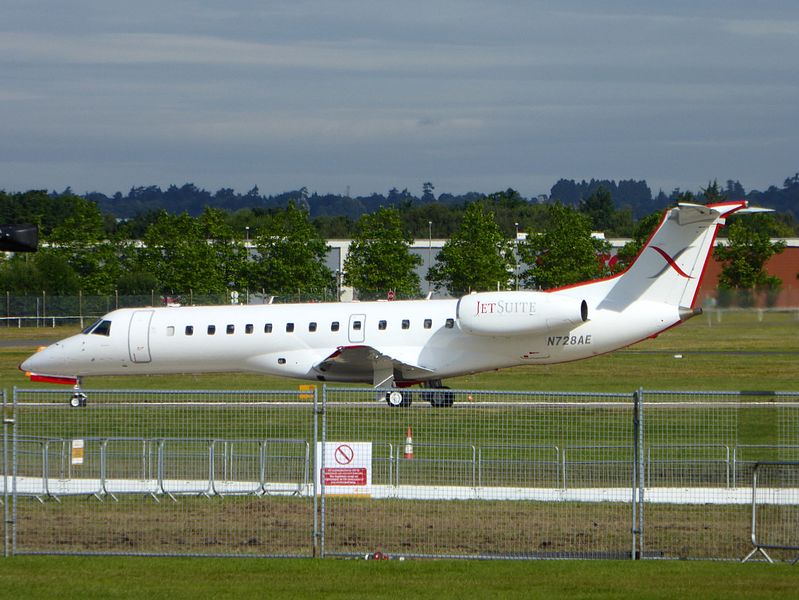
[(441, 398), (398, 398), (78, 399)]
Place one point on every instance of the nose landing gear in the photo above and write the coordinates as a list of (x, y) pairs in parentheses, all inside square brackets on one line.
[(78, 398)]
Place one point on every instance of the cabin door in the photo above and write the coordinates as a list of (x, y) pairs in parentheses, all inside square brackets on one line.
[(357, 328), (139, 336)]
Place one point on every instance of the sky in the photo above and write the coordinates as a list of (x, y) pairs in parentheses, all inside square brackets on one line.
[(357, 96)]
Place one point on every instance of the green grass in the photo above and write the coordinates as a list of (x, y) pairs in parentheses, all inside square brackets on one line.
[(176, 578), (741, 352)]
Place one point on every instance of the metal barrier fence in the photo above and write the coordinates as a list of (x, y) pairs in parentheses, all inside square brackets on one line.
[(163, 473), (500, 474), (775, 509), (162, 466), (701, 508), (340, 473)]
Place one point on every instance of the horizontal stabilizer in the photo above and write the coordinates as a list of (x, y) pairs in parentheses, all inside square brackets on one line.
[(754, 209)]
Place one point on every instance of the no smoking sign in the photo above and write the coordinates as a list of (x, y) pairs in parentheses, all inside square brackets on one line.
[(347, 468), (344, 454)]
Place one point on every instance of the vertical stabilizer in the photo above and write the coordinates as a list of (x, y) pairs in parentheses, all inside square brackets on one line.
[(669, 268)]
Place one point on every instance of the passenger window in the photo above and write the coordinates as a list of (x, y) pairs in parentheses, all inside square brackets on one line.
[(450, 323), (406, 324), (311, 326), (268, 328), (334, 326), (289, 327), (428, 323), (356, 325), (231, 329), (189, 329), (248, 328), (382, 325), (211, 329), (170, 330)]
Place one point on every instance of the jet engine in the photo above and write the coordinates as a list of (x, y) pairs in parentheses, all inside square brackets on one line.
[(519, 313)]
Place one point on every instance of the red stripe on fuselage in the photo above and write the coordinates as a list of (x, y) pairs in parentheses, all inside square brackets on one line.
[(59, 379)]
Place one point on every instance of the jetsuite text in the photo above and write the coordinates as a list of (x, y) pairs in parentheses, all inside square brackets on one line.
[(504, 308)]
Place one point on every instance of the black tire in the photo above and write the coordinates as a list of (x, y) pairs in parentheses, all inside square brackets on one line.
[(77, 400), (441, 398), (399, 398)]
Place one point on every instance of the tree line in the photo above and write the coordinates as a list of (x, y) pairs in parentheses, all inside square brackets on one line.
[(633, 195), (282, 251)]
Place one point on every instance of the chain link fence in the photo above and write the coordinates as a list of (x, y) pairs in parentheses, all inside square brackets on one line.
[(162, 473), (339, 473), (701, 451), (498, 475), (48, 310)]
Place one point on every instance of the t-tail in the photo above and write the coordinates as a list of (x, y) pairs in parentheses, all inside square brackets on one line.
[(656, 292), (670, 267)]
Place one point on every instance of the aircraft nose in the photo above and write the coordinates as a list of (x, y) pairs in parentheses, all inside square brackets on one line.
[(49, 359)]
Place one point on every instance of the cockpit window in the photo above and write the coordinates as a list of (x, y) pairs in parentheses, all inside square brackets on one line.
[(92, 326), (104, 328), (101, 327)]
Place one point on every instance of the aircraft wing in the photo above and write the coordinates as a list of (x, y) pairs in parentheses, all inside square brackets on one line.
[(368, 364)]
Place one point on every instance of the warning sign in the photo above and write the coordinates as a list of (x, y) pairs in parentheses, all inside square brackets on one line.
[(77, 452), (347, 468), (334, 476), (307, 392), (344, 454)]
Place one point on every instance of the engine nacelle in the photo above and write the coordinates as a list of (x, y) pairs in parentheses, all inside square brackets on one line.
[(519, 313)]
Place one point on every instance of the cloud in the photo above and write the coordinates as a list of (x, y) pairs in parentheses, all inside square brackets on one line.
[(155, 48), (456, 90), (763, 27)]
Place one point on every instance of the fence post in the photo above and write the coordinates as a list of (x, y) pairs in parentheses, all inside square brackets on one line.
[(638, 482), (320, 470), (6, 513), (13, 519), (635, 475), (315, 535), (642, 471)]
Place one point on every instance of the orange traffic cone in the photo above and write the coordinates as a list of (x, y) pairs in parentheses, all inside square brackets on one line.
[(409, 443)]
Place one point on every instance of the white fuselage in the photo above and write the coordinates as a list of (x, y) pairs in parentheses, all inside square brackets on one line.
[(290, 339), (385, 343)]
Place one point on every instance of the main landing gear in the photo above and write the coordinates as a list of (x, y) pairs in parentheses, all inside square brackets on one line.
[(398, 397), (439, 398), (436, 394)]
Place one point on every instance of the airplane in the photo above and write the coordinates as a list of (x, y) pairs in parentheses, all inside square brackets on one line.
[(392, 345)]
